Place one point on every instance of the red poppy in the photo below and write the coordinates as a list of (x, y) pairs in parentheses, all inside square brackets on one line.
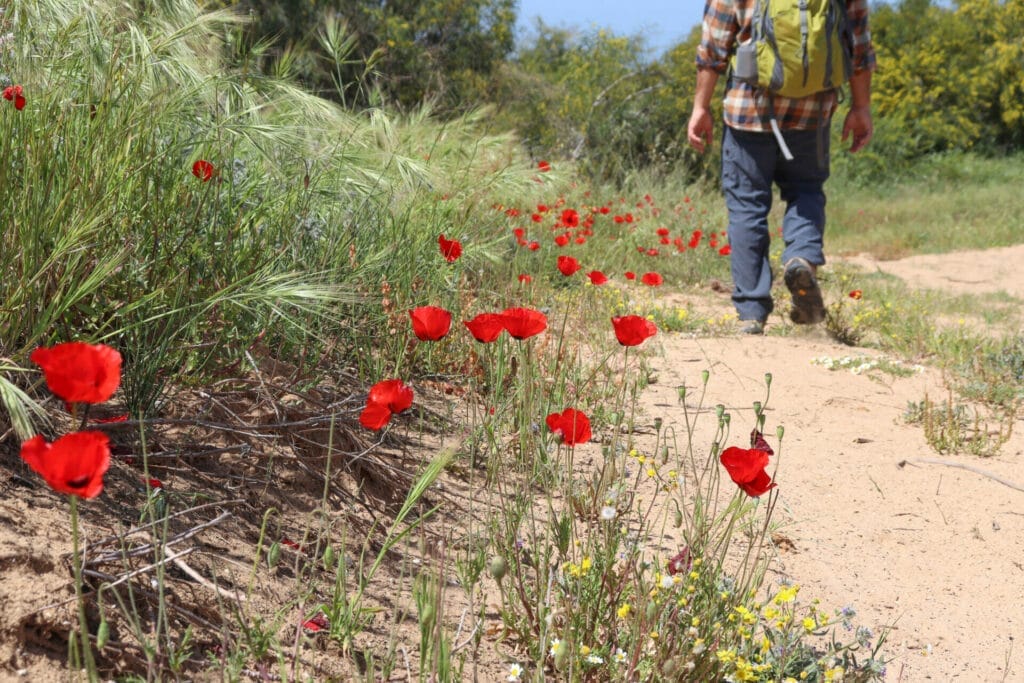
[(662, 232), (630, 275), (525, 279), (604, 210), (73, 464), (568, 265), (154, 483), (652, 279), (123, 417), (523, 323), (386, 398), (80, 372), (746, 467), (486, 327), (695, 238), (856, 294), (202, 169), (430, 323), (726, 250), (572, 426), (15, 94), (652, 252), (289, 543), (519, 233), (570, 218), (536, 217), (597, 277), (562, 240), (543, 166), (392, 393), (533, 246), (633, 330), (450, 249), (680, 562), (316, 624)]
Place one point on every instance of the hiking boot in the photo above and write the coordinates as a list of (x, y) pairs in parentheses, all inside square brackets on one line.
[(752, 327), (808, 306)]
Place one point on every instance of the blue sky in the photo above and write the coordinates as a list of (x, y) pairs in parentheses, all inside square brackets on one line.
[(663, 22)]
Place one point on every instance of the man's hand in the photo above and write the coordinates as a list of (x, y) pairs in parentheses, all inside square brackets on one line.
[(858, 121), (701, 129)]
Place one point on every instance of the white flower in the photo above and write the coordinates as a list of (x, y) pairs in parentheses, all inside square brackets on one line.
[(515, 672), (594, 659), (667, 581), (554, 646), (608, 513), (620, 656)]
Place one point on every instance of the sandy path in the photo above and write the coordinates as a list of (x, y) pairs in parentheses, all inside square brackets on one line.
[(934, 552)]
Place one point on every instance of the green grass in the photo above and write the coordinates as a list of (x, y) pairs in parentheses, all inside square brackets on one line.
[(952, 202)]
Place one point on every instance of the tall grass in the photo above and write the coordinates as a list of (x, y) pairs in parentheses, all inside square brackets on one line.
[(109, 236)]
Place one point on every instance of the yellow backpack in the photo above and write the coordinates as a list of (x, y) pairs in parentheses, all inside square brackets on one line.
[(797, 47)]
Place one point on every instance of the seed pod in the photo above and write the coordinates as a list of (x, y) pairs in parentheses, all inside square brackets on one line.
[(679, 519), (652, 610)]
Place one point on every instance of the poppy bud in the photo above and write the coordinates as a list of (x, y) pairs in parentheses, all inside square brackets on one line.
[(102, 633), (561, 655), (329, 558), (652, 610), (779, 431), (498, 567), (427, 616), (274, 554)]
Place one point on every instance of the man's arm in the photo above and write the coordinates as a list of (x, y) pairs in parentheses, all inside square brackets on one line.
[(701, 128), (858, 120), (718, 34)]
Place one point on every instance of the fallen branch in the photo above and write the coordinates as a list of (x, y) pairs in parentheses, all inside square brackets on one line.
[(962, 466)]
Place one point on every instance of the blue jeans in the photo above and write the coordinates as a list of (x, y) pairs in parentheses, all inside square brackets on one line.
[(751, 162)]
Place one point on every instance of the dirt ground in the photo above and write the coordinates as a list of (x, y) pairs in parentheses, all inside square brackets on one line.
[(930, 547), (877, 520)]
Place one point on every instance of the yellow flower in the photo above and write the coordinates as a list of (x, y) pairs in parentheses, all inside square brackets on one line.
[(623, 611), (834, 675), (809, 624), (587, 563), (654, 635), (787, 594), (726, 656), (584, 650)]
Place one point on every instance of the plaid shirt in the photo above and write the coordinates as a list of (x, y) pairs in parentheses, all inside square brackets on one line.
[(727, 23)]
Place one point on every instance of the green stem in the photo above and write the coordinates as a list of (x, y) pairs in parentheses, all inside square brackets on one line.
[(76, 565)]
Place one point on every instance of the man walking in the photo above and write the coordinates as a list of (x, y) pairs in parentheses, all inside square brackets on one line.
[(753, 158)]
